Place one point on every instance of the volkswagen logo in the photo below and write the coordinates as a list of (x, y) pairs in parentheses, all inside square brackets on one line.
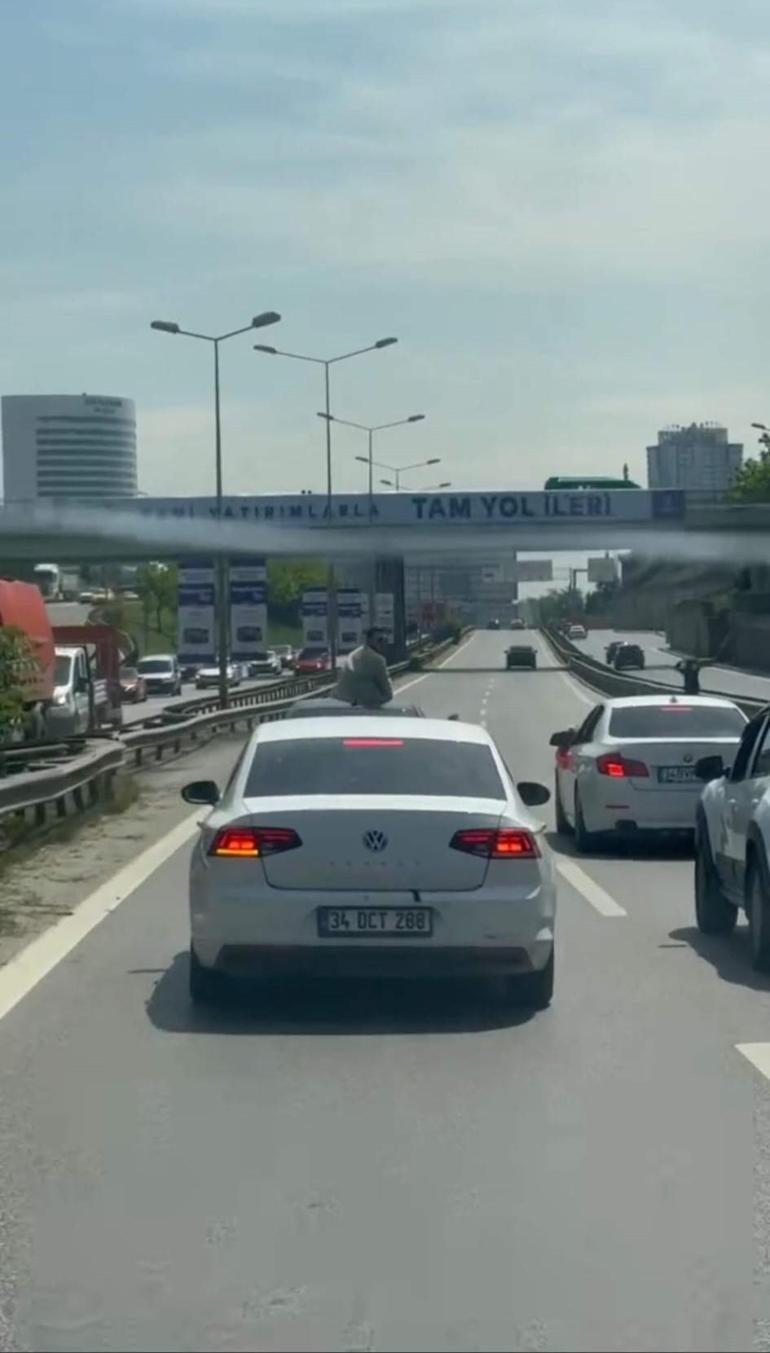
[(375, 841), (687, 758)]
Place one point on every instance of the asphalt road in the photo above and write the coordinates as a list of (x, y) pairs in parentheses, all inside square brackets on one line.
[(374, 1168), (722, 680)]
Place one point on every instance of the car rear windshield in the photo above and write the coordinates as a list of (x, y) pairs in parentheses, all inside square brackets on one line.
[(314, 652), (148, 665), (676, 721), (373, 765)]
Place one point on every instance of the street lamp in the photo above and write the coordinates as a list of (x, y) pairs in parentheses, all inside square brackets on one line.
[(398, 470), (327, 362), (434, 488), (169, 327), (370, 429)]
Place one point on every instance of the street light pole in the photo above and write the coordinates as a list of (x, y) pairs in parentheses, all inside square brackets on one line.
[(369, 461), (398, 470), (221, 594), (326, 363)]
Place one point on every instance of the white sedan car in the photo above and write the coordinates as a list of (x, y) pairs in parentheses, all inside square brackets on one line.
[(630, 766), (208, 677), (351, 846)]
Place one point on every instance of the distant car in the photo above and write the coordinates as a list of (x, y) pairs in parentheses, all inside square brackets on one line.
[(317, 706), (133, 687), (577, 632), (493, 624), (208, 677), (630, 767), (355, 847), (628, 655), (85, 598), (189, 670), (286, 654), (517, 623), (312, 660), (611, 649), (162, 674), (265, 663), (520, 655)]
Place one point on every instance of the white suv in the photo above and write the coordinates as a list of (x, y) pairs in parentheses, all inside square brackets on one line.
[(732, 840)]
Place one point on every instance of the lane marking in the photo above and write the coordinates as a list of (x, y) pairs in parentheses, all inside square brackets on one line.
[(416, 680), (591, 891), (758, 1054), (27, 968), (576, 690)]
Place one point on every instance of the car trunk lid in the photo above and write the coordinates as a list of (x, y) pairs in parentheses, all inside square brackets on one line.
[(375, 843)]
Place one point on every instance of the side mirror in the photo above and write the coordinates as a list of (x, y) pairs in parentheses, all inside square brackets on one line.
[(453, 717), (201, 791), (709, 768), (563, 739), (532, 794)]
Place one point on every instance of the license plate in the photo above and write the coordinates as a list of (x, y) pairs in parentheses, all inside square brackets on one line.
[(403, 923), (676, 775)]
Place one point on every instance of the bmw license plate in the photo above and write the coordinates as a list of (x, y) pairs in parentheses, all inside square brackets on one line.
[(405, 923), (676, 775)]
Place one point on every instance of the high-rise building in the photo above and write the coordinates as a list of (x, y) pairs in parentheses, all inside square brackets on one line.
[(695, 457), (68, 446)]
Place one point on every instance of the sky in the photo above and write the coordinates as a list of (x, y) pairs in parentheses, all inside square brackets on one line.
[(560, 207)]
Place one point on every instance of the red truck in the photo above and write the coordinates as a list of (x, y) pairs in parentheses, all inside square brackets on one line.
[(73, 686)]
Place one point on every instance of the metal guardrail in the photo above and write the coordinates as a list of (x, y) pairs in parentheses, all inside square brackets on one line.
[(44, 790), (591, 672)]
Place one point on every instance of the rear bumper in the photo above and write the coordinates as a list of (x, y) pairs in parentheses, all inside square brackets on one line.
[(269, 929), (361, 959), (645, 810)]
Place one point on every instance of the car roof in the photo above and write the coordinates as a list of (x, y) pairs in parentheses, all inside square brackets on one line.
[(162, 657), (318, 706), (370, 725), (676, 698)]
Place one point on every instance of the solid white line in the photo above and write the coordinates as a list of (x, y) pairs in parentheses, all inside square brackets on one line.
[(32, 964), (592, 892), (576, 689), (443, 663), (758, 1054)]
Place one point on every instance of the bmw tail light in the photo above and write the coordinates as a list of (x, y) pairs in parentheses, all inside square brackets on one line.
[(250, 843), (491, 843), (621, 767)]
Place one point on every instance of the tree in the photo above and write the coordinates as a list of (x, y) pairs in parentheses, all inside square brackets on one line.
[(16, 659), (156, 585), (752, 484)]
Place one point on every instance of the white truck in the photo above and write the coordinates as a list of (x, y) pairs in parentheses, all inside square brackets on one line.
[(732, 841)]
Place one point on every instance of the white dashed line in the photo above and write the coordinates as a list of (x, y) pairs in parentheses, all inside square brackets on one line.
[(591, 891), (758, 1054), (443, 663)]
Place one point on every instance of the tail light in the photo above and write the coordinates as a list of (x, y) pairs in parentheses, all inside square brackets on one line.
[(621, 767), (249, 843), (492, 843)]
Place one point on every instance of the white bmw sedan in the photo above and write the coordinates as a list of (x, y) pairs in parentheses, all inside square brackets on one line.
[(354, 846), (630, 767)]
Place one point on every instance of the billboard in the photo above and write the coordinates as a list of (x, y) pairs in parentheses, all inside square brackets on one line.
[(384, 613), (196, 641), (349, 618), (603, 569), (248, 607), (533, 570), (315, 617)]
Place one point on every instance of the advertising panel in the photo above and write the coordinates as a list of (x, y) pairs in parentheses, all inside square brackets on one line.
[(349, 619), (248, 607), (196, 641), (315, 617)]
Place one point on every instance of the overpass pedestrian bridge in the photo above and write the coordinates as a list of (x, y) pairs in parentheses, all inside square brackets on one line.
[(393, 523)]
